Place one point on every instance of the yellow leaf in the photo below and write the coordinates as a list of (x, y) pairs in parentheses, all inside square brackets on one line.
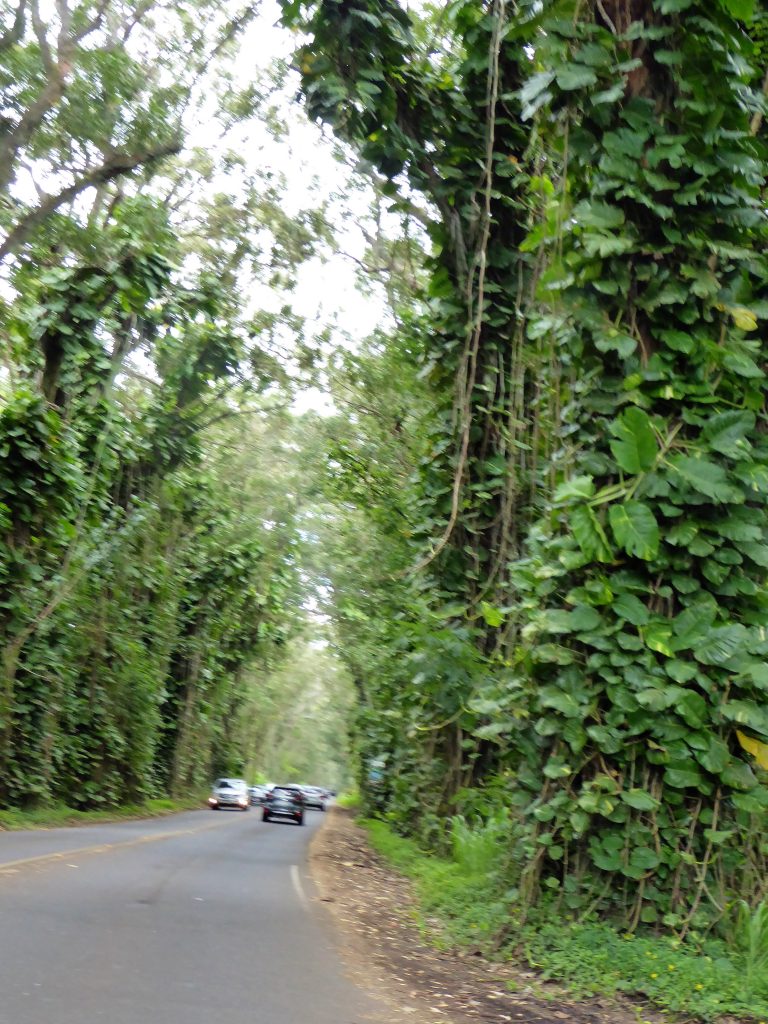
[(744, 318), (754, 747)]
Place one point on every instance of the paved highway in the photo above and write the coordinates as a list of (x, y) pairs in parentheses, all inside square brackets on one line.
[(198, 918)]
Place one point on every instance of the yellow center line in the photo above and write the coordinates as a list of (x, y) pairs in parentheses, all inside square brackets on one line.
[(12, 865)]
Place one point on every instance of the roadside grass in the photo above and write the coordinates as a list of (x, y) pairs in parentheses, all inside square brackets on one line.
[(464, 900), (59, 815), (350, 800)]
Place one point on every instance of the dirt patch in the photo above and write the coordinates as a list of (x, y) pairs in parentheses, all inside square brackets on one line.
[(374, 911)]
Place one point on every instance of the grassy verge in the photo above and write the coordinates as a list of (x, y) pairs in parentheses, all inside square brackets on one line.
[(350, 800), (59, 815), (704, 983)]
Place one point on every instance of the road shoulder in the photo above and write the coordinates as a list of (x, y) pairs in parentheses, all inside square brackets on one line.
[(373, 909)]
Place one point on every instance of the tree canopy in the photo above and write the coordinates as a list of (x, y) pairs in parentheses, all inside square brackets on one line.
[(516, 569)]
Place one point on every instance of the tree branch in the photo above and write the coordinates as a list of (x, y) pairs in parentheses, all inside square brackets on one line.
[(117, 165), (12, 36)]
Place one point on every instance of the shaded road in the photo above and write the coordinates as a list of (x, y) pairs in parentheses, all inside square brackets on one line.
[(198, 918)]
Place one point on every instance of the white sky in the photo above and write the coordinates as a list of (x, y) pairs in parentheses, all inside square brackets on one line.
[(326, 290)]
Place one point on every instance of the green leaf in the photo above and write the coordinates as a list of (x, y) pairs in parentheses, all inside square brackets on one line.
[(640, 799), (694, 623), (747, 712), (635, 529), (593, 214), (634, 447), (560, 701), (693, 709), (589, 534), (743, 9), (631, 608), (575, 76), (578, 487), (757, 552), (493, 616), (534, 93), (683, 778), (681, 671), (726, 432), (584, 619), (658, 636), (721, 644), (644, 858), (705, 477), (739, 775), (715, 757)]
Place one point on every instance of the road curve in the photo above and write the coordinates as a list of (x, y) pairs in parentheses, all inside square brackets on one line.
[(197, 918)]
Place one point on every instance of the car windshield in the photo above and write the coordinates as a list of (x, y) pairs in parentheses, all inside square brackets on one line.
[(228, 784)]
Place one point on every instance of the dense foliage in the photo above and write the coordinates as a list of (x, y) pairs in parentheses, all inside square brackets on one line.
[(535, 515), (582, 636), (148, 577)]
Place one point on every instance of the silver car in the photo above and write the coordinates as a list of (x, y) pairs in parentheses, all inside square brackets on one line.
[(229, 793)]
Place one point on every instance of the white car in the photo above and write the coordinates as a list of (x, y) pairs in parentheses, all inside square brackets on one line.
[(229, 793)]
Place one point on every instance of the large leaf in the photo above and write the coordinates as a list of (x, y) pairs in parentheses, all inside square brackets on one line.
[(640, 799), (705, 477), (635, 529), (743, 9), (757, 552), (631, 608), (575, 488), (726, 432), (756, 748), (694, 623), (683, 778), (739, 775), (747, 712), (575, 76), (693, 709), (634, 446), (589, 534), (721, 644), (658, 636)]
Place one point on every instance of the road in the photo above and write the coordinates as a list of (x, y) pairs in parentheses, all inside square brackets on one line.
[(197, 918)]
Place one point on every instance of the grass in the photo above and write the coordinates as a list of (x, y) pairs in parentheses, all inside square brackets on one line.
[(59, 815), (461, 904), (596, 959), (350, 800), (751, 934), (462, 898)]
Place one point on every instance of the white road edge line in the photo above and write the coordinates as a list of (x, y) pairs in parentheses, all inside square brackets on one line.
[(296, 879)]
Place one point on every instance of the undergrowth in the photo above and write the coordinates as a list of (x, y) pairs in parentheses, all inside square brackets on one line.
[(59, 815), (463, 902)]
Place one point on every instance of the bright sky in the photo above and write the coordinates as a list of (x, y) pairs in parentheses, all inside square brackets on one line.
[(326, 289)]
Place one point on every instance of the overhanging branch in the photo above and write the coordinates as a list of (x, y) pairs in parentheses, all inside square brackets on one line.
[(114, 167)]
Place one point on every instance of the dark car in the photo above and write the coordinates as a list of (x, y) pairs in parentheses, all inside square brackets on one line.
[(284, 803)]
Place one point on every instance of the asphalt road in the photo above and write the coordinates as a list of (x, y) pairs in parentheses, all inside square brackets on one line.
[(198, 918)]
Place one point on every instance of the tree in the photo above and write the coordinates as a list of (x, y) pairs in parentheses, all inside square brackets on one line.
[(593, 503)]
